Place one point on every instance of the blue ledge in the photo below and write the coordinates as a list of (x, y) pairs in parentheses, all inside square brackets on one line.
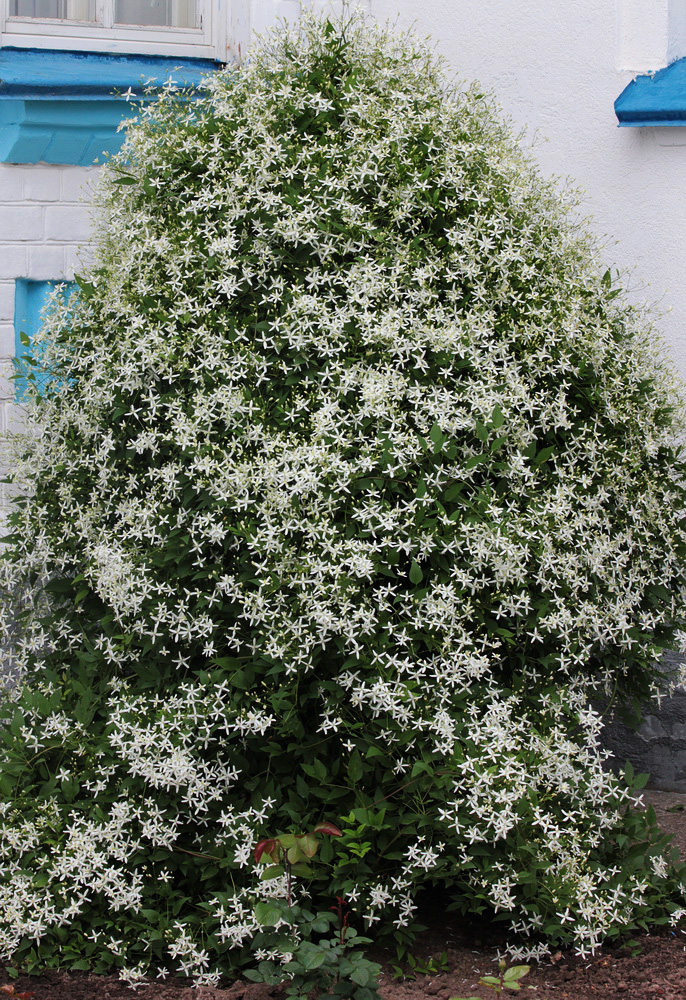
[(62, 107), (659, 99)]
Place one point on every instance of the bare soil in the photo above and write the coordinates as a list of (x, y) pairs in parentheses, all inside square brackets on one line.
[(657, 973)]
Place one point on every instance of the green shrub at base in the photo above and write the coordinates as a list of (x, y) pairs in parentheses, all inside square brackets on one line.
[(354, 483)]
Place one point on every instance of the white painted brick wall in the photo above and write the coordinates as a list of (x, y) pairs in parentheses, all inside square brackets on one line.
[(11, 183), (6, 301), (42, 183), (44, 219), (13, 261), (7, 339), (22, 223), (66, 223)]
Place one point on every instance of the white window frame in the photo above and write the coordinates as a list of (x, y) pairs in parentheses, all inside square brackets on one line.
[(208, 41)]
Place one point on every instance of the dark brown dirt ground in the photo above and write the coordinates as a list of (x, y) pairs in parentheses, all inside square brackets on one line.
[(657, 973)]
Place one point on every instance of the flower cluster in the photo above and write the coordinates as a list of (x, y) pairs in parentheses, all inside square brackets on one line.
[(350, 483)]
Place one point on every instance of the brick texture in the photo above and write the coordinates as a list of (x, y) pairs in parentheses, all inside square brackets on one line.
[(6, 339), (66, 223), (22, 223), (6, 301), (11, 182), (41, 183), (44, 219)]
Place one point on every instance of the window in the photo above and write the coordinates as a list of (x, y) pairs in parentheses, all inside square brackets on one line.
[(162, 13), (167, 13), (145, 27), (72, 10)]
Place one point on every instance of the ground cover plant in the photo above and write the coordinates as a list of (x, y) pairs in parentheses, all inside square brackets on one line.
[(350, 484)]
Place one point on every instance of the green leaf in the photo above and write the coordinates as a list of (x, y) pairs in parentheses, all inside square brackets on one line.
[(453, 491), (241, 680), (272, 871), (24, 338), (438, 438), (416, 575), (362, 993), (312, 959), (355, 768), (515, 972), (481, 431), (302, 870), (308, 844), (361, 976), (268, 913), (60, 585), (543, 455), (320, 769)]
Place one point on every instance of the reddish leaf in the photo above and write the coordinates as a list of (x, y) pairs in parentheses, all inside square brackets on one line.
[(329, 828), (308, 844), (265, 847)]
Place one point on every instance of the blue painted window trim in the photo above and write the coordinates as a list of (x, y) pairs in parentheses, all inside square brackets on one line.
[(62, 107), (30, 299), (658, 99)]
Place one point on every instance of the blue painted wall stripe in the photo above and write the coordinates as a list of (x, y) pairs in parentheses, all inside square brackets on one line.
[(61, 107), (59, 74), (30, 298), (59, 132)]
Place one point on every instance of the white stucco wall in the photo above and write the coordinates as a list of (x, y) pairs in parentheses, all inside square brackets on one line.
[(554, 69)]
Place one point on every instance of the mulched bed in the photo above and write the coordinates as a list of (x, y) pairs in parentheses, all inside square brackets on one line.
[(657, 973)]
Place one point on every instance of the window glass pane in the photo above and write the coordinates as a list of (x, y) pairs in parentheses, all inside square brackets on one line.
[(165, 13), (68, 10)]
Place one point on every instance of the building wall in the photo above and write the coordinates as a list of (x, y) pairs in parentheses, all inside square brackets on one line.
[(556, 69), (44, 221)]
